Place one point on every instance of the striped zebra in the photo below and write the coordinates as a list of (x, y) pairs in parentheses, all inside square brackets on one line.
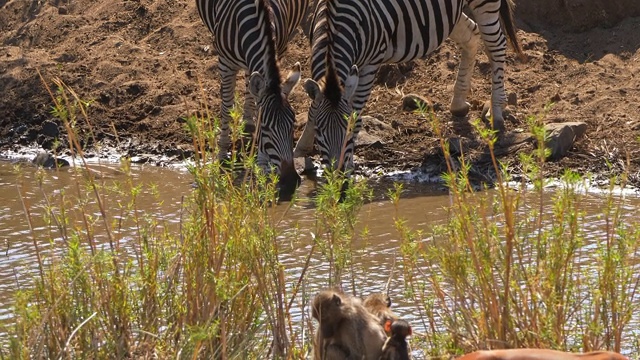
[(249, 35), (352, 38)]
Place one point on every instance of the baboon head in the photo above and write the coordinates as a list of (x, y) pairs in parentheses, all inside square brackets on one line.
[(327, 309)]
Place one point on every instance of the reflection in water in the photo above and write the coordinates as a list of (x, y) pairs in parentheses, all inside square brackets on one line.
[(161, 198)]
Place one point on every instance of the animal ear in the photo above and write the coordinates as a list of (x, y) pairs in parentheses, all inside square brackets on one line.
[(336, 300), (256, 84), (292, 79), (387, 326), (351, 84), (312, 89)]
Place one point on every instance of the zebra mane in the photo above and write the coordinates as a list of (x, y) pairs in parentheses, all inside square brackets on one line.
[(272, 75), (332, 88)]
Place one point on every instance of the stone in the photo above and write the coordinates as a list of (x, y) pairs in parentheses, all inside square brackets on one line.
[(562, 136), (368, 140), (50, 128), (48, 161), (412, 102), (371, 122)]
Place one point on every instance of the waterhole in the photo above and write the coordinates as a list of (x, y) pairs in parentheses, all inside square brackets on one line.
[(25, 195)]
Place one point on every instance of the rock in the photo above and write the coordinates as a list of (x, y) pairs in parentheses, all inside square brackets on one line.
[(48, 161), (141, 158), (561, 136), (304, 166), (512, 99), (515, 138), (412, 102), (366, 139), (50, 128), (371, 122), (20, 129)]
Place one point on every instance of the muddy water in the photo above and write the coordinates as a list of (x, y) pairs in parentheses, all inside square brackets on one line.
[(421, 208), (22, 190)]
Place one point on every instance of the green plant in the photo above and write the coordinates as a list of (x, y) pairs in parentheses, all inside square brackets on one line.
[(213, 287), (511, 266)]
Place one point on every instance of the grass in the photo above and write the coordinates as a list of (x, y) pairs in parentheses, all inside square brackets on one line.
[(510, 267)]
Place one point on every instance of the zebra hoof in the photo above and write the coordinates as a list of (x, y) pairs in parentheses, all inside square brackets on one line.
[(462, 111), (496, 122), (498, 125)]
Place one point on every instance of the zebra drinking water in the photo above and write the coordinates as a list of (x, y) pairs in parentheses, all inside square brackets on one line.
[(351, 39), (249, 35)]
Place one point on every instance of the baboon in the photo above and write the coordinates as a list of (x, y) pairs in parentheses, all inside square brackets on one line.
[(540, 354), (346, 329), (396, 347), (379, 305)]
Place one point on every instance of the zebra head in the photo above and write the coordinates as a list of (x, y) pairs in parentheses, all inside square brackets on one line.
[(332, 112), (276, 120)]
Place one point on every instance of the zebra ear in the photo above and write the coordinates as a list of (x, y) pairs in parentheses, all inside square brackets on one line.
[(312, 89), (292, 79), (351, 84), (256, 84)]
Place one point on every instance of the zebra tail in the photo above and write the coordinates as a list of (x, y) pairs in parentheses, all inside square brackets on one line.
[(506, 15)]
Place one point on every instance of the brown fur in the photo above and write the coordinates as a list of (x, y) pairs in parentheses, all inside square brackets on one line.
[(346, 329), (379, 305), (396, 347), (540, 354)]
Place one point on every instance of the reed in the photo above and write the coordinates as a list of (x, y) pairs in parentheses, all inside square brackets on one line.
[(511, 266), (211, 287)]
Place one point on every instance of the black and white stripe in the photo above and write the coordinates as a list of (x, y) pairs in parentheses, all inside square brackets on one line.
[(353, 38), (249, 35)]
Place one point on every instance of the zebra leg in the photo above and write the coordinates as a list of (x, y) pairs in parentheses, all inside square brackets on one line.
[(248, 113), (228, 85), (304, 146), (486, 14), (466, 35)]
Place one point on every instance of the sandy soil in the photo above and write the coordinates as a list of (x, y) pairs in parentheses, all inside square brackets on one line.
[(146, 64)]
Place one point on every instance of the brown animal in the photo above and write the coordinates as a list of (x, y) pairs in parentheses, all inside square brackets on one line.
[(396, 347), (346, 329), (379, 305), (540, 354)]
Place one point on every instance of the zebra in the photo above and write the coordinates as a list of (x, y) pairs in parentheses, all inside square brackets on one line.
[(352, 38), (249, 35)]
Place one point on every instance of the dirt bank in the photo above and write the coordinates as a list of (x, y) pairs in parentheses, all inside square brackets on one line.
[(145, 65)]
